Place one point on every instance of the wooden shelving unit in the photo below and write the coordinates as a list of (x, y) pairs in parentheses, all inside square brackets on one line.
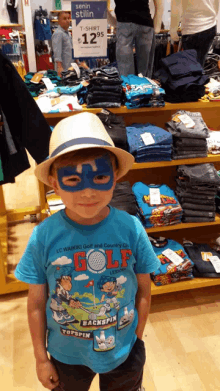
[(153, 172)]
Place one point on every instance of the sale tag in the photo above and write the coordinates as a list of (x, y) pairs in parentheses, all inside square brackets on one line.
[(187, 121), (216, 263), (89, 28), (173, 257), (48, 83), (155, 196), (147, 138)]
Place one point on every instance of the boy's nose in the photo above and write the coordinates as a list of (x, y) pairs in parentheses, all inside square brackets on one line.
[(88, 192)]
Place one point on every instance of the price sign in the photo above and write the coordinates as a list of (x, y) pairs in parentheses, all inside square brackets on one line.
[(89, 28)]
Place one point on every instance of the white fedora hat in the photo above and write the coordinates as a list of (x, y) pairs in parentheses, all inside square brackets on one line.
[(81, 131)]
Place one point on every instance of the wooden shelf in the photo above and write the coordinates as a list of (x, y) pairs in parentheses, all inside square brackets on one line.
[(183, 226), (195, 283), (198, 160), (11, 25)]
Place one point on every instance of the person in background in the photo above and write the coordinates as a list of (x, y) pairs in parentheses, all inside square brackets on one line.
[(135, 26), (62, 44), (198, 24)]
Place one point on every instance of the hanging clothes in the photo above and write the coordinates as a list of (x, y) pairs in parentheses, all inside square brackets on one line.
[(27, 124)]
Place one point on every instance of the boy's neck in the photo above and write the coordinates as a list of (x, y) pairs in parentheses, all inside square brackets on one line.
[(88, 221)]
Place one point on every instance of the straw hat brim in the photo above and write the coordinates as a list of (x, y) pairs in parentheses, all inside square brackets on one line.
[(125, 161)]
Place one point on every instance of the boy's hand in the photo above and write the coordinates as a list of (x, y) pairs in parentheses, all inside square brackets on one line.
[(47, 374)]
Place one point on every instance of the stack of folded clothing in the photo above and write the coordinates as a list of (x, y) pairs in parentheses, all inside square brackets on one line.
[(196, 189), (75, 75), (124, 198), (149, 143), (35, 84), (60, 99), (206, 260), (158, 205), (115, 127), (181, 75), (189, 135), (214, 142), (175, 263), (105, 88), (142, 92)]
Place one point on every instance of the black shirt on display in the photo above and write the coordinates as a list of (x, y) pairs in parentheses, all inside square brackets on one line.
[(134, 11)]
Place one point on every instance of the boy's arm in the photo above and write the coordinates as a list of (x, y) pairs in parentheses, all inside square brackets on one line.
[(37, 298), (142, 302)]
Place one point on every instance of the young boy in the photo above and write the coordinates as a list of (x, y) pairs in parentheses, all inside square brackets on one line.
[(88, 267)]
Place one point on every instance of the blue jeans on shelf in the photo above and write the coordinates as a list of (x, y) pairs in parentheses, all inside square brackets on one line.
[(144, 39)]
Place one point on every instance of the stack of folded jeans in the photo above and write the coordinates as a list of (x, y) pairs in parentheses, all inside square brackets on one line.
[(115, 127), (196, 189), (149, 143), (181, 75), (201, 255), (105, 89), (169, 271), (189, 135), (124, 198), (162, 211), (142, 92), (75, 75)]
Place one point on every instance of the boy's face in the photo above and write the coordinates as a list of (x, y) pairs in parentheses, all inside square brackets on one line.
[(86, 188)]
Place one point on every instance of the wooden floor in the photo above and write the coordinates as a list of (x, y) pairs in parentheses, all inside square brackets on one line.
[(182, 340)]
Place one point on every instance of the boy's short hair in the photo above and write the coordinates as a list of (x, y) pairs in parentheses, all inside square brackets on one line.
[(79, 156)]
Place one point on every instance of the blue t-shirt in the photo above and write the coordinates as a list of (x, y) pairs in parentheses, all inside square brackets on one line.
[(91, 274)]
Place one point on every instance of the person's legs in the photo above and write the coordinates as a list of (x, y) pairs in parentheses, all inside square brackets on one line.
[(201, 42), (124, 48), (73, 377), (127, 376), (144, 44)]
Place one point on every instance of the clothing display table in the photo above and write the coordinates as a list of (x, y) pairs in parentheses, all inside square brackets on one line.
[(155, 172)]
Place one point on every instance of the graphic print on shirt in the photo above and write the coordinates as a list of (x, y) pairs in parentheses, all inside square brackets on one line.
[(91, 311)]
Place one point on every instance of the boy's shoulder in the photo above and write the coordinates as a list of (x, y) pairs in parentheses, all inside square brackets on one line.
[(50, 221), (130, 222)]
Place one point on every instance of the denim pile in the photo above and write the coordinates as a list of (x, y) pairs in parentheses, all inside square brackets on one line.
[(196, 189), (200, 255), (142, 92), (149, 143), (189, 135), (170, 272), (163, 211), (115, 126), (105, 89), (181, 75), (124, 198)]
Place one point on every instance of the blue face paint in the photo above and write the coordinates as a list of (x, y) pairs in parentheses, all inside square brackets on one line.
[(96, 175)]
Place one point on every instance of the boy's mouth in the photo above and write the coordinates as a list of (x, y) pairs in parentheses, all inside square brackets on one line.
[(89, 205)]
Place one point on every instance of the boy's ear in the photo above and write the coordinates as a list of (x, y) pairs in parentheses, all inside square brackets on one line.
[(54, 184)]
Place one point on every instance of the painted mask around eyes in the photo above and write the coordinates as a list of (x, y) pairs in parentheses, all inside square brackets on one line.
[(86, 175)]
